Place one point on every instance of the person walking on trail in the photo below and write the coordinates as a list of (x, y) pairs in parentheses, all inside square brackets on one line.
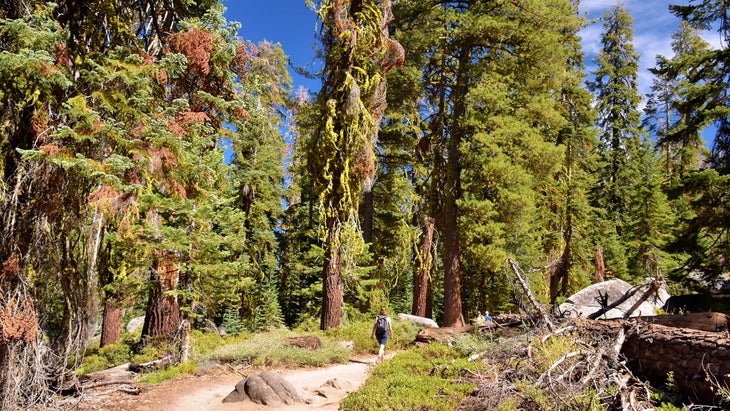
[(382, 329)]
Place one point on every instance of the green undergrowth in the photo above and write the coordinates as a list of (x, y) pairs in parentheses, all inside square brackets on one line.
[(270, 349), (155, 377), (267, 349), (100, 358), (421, 378), (404, 332)]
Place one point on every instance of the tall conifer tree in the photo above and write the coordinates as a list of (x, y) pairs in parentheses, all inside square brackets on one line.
[(617, 99), (704, 101), (357, 54), (666, 112)]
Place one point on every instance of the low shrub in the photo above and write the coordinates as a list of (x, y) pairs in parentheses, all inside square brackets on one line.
[(422, 378), (100, 358)]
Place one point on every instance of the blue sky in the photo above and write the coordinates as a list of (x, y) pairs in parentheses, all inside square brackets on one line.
[(292, 23), (289, 22)]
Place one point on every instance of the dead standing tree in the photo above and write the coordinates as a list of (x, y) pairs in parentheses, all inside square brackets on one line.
[(522, 282)]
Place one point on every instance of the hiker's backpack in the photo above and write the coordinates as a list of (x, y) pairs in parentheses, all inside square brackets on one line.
[(381, 325)]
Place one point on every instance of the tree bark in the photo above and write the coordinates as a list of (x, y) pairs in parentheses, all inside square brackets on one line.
[(559, 273), (163, 311), (332, 288), (423, 267), (367, 214), (111, 324), (714, 322), (600, 266), (453, 316)]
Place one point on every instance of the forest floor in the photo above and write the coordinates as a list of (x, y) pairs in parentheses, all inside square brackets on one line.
[(206, 390)]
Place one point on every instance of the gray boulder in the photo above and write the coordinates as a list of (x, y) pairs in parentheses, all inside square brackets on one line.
[(587, 301), (420, 321), (266, 388), (134, 324)]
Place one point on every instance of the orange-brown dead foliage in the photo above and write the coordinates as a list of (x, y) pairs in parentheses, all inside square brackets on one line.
[(49, 149), (197, 46), (17, 321)]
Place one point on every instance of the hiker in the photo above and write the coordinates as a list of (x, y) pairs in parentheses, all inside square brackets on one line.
[(487, 318), (382, 329)]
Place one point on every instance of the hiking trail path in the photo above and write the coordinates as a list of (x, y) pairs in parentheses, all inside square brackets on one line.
[(205, 392)]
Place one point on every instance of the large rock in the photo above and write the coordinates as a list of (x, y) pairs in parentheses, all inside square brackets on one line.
[(134, 324), (587, 301), (421, 321), (266, 388), (332, 388)]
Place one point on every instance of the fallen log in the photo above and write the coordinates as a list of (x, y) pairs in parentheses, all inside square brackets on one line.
[(151, 365), (443, 334), (446, 334), (713, 322), (698, 361), (115, 375)]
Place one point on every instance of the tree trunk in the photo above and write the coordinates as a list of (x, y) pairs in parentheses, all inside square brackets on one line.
[(452, 243), (559, 274), (185, 340), (423, 267), (715, 322), (698, 360), (163, 312), (332, 288), (429, 300), (600, 266), (111, 325), (4, 371), (367, 214)]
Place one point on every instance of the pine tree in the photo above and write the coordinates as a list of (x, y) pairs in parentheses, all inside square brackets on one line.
[(667, 114), (258, 163), (124, 134), (340, 150), (570, 215), (617, 99), (703, 233), (706, 93), (487, 145), (650, 218)]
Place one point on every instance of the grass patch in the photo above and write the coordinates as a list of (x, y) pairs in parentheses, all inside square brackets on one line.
[(187, 367), (203, 343), (423, 378), (270, 349)]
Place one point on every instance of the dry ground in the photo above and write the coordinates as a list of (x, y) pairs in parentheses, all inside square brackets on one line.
[(205, 392)]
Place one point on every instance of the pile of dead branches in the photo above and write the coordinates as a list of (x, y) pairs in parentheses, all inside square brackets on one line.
[(543, 370)]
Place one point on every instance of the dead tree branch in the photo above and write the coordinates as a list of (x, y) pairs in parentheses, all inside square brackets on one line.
[(526, 289)]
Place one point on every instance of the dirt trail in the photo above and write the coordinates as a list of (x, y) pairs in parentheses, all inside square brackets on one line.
[(206, 392)]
